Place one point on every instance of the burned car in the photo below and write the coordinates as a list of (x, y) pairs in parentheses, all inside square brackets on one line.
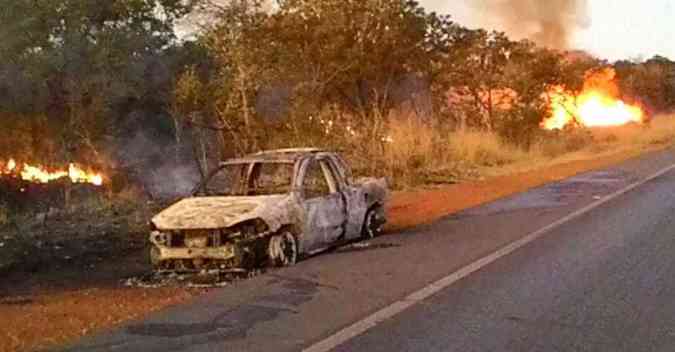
[(269, 208)]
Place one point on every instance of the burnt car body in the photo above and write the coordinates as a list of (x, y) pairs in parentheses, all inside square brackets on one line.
[(268, 208)]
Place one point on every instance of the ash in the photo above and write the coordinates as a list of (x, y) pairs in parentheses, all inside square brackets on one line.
[(202, 279)]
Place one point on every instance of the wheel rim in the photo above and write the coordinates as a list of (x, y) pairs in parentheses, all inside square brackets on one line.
[(371, 228), (289, 249), (283, 249)]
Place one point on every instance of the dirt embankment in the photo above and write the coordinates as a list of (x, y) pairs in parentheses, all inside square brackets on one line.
[(53, 306)]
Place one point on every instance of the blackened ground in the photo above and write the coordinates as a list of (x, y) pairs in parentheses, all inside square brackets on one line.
[(87, 231), (62, 272)]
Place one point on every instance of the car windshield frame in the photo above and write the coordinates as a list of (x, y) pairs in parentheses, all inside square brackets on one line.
[(246, 186)]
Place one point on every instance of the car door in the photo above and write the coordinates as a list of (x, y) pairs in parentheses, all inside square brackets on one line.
[(324, 207), (353, 196)]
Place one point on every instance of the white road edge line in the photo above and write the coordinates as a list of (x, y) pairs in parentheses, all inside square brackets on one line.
[(399, 306)]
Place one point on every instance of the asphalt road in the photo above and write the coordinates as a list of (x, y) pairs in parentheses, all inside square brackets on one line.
[(603, 281)]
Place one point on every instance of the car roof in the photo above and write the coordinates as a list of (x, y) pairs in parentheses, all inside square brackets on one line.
[(289, 155)]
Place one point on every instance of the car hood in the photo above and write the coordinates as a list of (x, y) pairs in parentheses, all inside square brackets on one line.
[(207, 213)]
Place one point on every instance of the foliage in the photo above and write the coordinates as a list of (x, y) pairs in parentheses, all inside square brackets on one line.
[(81, 79), (350, 64), (69, 70), (478, 71), (652, 82), (359, 59)]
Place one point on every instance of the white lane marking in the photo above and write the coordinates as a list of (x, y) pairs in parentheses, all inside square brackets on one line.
[(399, 306)]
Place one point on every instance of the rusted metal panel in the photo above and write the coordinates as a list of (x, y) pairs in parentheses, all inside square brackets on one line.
[(325, 219), (208, 213), (218, 253)]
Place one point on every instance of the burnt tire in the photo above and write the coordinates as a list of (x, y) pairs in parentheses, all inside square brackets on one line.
[(283, 249), (373, 223)]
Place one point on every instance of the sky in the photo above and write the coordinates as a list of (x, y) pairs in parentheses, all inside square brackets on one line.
[(617, 29)]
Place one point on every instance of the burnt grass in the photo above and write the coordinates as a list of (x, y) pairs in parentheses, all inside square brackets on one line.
[(94, 238)]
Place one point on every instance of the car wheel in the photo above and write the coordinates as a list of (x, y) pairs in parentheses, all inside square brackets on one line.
[(372, 225), (283, 249)]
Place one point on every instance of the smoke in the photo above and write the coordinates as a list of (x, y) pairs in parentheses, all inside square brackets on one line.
[(172, 180), (551, 23), (150, 157)]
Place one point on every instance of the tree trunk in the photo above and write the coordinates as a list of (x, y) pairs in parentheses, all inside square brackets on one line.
[(251, 143)]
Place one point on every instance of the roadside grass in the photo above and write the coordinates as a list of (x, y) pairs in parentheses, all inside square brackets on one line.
[(417, 154), (659, 131), (482, 148), (414, 151)]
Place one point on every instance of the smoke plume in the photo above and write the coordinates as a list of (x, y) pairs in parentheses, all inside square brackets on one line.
[(551, 23), (149, 156)]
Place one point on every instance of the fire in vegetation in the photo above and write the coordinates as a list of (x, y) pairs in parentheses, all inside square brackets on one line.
[(598, 104), (40, 174)]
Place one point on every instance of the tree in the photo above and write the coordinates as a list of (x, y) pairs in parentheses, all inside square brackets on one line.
[(355, 60), (652, 82), (532, 72), (356, 53), (478, 71), (73, 68)]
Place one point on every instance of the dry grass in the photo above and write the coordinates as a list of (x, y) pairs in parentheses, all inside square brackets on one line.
[(411, 149), (483, 149), (414, 152), (420, 154), (629, 140), (660, 131), (411, 152)]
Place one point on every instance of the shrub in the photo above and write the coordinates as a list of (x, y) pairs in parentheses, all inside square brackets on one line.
[(552, 144), (483, 149)]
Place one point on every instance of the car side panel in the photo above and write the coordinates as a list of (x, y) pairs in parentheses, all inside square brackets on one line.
[(325, 220), (356, 209)]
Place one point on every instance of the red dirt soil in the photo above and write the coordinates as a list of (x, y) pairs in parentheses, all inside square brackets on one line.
[(412, 208), (55, 307)]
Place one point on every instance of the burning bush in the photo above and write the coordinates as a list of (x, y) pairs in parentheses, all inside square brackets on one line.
[(40, 174), (34, 189), (597, 105)]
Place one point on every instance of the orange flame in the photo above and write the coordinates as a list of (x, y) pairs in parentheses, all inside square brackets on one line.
[(597, 105), (11, 165), (39, 174)]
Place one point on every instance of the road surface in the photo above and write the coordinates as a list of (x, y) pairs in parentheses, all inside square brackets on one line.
[(603, 280)]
